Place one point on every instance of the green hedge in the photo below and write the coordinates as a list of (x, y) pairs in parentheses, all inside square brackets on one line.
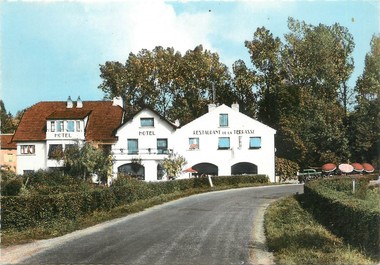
[(19, 212), (354, 219)]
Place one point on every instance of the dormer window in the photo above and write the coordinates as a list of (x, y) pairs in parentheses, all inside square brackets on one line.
[(60, 126), (70, 126), (52, 126), (146, 122)]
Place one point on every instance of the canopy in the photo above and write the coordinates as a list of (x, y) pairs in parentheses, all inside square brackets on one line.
[(346, 168), (368, 168), (357, 167), (329, 167), (190, 170)]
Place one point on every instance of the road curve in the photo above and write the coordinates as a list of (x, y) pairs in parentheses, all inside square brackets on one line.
[(211, 228)]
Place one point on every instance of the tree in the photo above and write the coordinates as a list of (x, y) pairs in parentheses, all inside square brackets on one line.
[(173, 164), (299, 89), (86, 159), (364, 122), (8, 125), (176, 86)]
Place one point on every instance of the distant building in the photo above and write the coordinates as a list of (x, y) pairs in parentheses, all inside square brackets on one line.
[(8, 160), (221, 142)]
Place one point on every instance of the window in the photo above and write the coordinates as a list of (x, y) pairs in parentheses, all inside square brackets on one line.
[(146, 122), (78, 126), (254, 142), (194, 143), (133, 146), (70, 126), (60, 126), (55, 151), (224, 143), (52, 126), (223, 120), (28, 149), (162, 146), (10, 158)]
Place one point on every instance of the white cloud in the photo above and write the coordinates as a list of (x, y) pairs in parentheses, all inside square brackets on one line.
[(134, 25)]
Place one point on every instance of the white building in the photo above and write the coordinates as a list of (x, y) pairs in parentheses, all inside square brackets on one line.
[(221, 142)]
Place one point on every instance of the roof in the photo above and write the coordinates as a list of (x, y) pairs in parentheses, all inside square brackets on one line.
[(103, 119), (69, 114), (6, 142)]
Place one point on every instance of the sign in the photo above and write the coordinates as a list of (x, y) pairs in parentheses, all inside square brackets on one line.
[(223, 132), (62, 135), (146, 133)]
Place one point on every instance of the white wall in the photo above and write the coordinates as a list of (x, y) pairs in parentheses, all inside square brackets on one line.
[(207, 129), (34, 161), (147, 143)]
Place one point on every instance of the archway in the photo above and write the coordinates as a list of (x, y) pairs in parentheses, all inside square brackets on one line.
[(243, 168), (132, 169), (206, 168)]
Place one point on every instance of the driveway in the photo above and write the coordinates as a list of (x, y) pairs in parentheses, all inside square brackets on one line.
[(223, 227)]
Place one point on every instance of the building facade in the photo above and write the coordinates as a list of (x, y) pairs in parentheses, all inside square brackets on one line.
[(8, 160), (47, 128), (221, 142)]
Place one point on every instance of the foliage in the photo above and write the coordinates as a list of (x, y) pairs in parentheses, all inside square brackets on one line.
[(86, 159), (286, 169), (177, 86), (11, 188), (21, 212), (364, 125), (295, 237), (354, 219), (299, 89), (173, 164), (8, 123)]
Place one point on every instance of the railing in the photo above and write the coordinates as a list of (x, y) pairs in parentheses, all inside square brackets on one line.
[(143, 151)]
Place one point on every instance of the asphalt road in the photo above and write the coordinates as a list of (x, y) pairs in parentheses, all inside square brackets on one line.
[(211, 228)]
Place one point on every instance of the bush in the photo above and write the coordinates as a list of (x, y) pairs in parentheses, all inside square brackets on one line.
[(356, 220), (12, 187), (29, 211)]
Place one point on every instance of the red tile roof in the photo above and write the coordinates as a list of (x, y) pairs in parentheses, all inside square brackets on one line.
[(6, 142), (104, 118)]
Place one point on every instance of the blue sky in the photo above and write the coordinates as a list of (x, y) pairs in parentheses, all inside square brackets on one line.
[(52, 49)]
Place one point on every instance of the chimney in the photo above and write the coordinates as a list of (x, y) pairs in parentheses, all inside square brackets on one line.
[(211, 107), (69, 103), (79, 103), (235, 106), (117, 101)]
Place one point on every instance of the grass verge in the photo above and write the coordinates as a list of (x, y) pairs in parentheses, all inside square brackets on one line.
[(296, 238)]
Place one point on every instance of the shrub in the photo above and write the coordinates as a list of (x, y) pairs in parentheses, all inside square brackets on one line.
[(356, 220), (12, 187)]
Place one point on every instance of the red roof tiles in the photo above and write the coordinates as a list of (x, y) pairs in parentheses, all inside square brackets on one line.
[(6, 142), (104, 118)]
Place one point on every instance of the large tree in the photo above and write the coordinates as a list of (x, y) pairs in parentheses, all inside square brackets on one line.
[(364, 127), (8, 124), (299, 84), (177, 86)]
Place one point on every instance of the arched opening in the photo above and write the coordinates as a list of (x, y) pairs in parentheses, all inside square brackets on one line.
[(243, 168), (206, 168), (133, 170)]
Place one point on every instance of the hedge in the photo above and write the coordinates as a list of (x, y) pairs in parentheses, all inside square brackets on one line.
[(20, 212), (333, 205)]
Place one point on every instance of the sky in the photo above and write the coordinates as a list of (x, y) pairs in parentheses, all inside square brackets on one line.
[(52, 49)]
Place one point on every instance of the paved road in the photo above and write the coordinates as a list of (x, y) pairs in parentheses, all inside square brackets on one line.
[(211, 228)]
